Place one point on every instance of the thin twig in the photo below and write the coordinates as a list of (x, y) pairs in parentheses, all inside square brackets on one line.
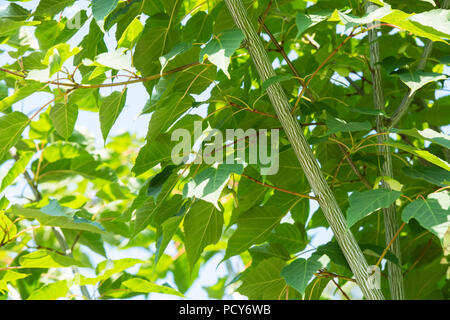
[(422, 254), (281, 50), (390, 243), (353, 166), (277, 188), (340, 289)]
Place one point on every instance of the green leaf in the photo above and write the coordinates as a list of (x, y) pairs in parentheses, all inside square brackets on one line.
[(432, 175), (432, 213), (167, 112), (198, 28), (306, 21), (401, 19), (333, 251), (216, 291), (391, 182), (418, 79), (178, 49), (336, 125), (156, 213), (209, 183), (364, 203), (427, 134), (376, 251), (315, 289), (264, 281), (116, 59), (438, 19), (10, 276), (11, 128), (108, 268), (375, 15), (253, 227), (101, 8), (368, 111), (7, 229), (52, 7), (51, 291), (64, 116), (165, 233), (422, 154), (202, 226), (157, 182), (57, 55), (17, 169), (48, 259), (424, 283), (9, 26), (14, 12), (299, 272), (110, 110), (131, 34), (92, 44), (55, 215), (157, 37), (268, 250), (144, 286), (84, 165), (154, 152), (19, 94), (220, 49), (275, 79), (289, 236)]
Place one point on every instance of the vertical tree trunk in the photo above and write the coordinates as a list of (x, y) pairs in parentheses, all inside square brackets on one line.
[(390, 215), (310, 166)]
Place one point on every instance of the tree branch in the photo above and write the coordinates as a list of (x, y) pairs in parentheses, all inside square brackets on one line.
[(353, 167), (108, 85), (277, 188)]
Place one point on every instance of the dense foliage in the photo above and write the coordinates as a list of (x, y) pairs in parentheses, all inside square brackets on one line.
[(130, 195)]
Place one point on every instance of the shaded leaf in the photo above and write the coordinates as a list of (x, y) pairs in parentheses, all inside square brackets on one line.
[(101, 8), (432, 213), (336, 125), (202, 226), (364, 203), (264, 281), (11, 128), (55, 215), (254, 227), (144, 286), (299, 272), (17, 169)]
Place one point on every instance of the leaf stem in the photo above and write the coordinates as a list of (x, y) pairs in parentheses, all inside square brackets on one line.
[(277, 188)]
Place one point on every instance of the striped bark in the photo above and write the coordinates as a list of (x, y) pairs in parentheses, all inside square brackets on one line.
[(305, 156), (391, 224)]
